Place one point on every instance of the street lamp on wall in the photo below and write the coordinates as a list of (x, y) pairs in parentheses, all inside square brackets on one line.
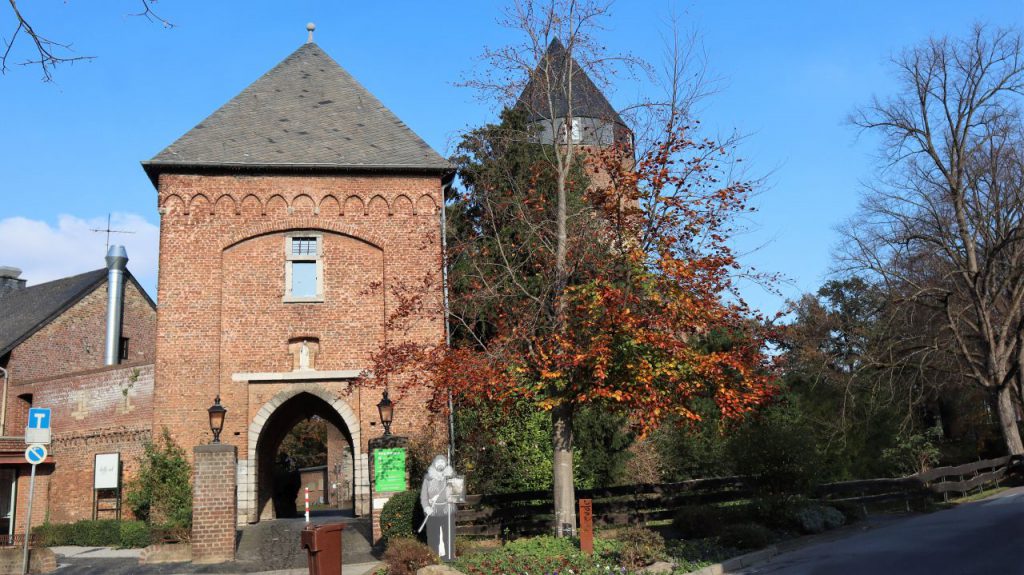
[(216, 412), (386, 409)]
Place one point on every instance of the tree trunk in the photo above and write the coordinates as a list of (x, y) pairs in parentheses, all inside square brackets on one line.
[(1008, 421), (564, 490)]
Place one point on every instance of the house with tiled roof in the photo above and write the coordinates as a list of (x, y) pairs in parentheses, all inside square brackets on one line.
[(71, 344)]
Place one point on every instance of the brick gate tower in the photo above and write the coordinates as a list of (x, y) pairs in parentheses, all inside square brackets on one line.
[(288, 218)]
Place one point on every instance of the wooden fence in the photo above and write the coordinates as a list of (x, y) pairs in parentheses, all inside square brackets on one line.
[(531, 513)]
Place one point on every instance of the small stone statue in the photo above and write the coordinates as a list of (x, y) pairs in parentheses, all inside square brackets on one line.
[(438, 500)]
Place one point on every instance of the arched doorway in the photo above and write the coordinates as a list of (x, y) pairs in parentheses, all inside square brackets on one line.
[(269, 428)]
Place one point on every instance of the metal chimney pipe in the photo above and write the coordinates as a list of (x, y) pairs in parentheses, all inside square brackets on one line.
[(117, 261)]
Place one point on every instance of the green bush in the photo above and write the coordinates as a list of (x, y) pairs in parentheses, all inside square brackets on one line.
[(809, 520), (405, 556), (640, 547), (778, 451), (833, 517), (852, 512), (746, 536), (88, 533), (135, 534), (778, 512), (699, 521), (161, 493), (401, 516)]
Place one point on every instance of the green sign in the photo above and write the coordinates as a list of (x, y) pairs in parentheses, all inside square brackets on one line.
[(389, 469)]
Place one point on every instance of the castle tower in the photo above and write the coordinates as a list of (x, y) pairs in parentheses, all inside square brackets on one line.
[(561, 98), (289, 217)]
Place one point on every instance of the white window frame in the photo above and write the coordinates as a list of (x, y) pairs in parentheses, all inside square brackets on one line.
[(290, 258)]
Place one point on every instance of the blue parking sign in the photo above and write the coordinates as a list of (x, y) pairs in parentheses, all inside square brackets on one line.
[(39, 418)]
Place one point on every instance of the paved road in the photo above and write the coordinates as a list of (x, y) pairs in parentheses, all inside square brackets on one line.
[(984, 538)]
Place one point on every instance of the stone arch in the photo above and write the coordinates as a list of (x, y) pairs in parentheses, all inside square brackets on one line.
[(402, 206), (378, 206), (354, 206), (329, 206), (303, 205), (378, 241), (249, 501), (425, 205)]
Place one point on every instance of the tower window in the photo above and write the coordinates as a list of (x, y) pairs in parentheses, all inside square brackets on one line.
[(123, 353), (303, 268)]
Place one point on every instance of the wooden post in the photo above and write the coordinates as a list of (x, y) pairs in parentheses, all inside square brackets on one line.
[(587, 526)]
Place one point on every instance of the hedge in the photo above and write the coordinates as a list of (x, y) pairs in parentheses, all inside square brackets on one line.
[(100, 533)]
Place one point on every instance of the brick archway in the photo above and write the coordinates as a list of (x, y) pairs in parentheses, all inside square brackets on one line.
[(249, 497)]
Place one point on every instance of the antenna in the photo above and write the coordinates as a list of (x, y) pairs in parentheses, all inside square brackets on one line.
[(109, 231)]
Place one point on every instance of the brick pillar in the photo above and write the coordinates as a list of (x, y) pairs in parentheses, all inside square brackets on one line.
[(379, 498), (213, 503)]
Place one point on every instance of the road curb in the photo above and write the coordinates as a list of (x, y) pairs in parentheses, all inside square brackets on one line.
[(738, 562)]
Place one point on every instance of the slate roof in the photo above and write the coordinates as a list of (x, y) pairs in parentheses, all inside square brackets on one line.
[(305, 113), (25, 311), (587, 99)]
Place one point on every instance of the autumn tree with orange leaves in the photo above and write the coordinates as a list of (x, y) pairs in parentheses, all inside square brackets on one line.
[(587, 276)]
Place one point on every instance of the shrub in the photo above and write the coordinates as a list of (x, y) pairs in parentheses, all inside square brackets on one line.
[(401, 516), (88, 533), (809, 520), (696, 522), (405, 556), (134, 534), (852, 512), (746, 536), (833, 517), (779, 453), (161, 493), (640, 547)]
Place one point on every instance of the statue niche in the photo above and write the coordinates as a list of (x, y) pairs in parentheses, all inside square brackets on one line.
[(304, 351)]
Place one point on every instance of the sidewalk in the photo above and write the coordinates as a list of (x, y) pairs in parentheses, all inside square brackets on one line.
[(108, 561)]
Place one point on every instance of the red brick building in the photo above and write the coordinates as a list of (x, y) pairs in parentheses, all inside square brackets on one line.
[(52, 348), (293, 220)]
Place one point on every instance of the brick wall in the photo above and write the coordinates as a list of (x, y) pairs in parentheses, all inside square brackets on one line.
[(74, 341), (222, 276), (105, 410), (213, 504)]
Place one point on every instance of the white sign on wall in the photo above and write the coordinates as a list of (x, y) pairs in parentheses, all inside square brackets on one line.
[(107, 472)]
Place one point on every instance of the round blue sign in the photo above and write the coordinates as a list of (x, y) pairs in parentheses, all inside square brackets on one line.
[(35, 454)]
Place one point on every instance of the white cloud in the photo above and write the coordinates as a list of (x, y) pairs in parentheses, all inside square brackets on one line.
[(44, 252)]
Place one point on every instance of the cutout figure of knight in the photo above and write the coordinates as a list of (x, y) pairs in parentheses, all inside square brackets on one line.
[(438, 503)]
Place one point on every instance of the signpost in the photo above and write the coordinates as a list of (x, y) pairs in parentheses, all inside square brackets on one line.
[(38, 430), (37, 436), (587, 526), (34, 454)]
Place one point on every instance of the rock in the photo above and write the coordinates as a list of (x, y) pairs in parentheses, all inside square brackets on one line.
[(438, 570), (658, 567)]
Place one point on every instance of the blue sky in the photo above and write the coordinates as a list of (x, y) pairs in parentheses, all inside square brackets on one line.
[(791, 72)]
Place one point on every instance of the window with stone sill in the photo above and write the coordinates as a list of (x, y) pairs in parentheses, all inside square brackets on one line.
[(304, 268)]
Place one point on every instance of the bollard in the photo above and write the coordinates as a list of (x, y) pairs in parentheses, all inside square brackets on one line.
[(307, 505)]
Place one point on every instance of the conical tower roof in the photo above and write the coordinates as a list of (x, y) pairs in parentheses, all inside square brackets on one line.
[(307, 113), (552, 76)]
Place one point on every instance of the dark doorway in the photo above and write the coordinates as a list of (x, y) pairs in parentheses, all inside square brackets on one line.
[(304, 441)]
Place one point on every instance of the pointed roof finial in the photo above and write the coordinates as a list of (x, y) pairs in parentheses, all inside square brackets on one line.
[(311, 26)]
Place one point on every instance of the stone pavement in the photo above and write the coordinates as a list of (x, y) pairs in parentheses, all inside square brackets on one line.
[(266, 548)]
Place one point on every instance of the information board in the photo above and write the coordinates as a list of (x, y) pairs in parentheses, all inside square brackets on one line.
[(106, 474), (389, 469)]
